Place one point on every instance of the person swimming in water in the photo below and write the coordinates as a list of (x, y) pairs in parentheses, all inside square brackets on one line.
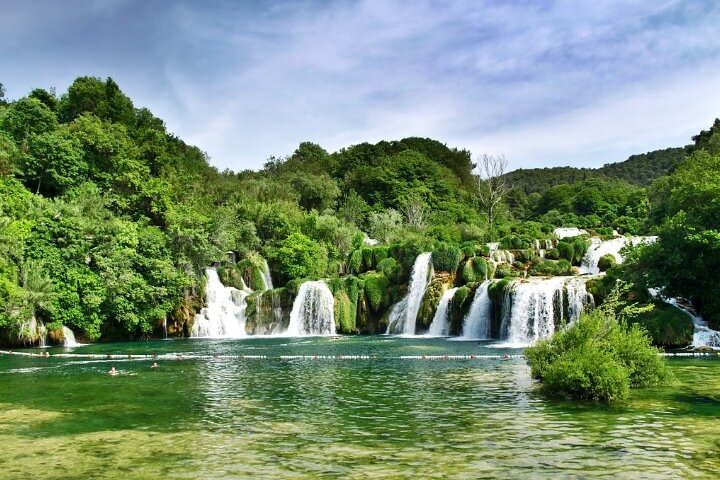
[(113, 372)]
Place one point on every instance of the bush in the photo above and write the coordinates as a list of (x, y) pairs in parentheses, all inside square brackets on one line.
[(446, 257), (599, 358), (391, 269), (552, 254), (606, 262), (667, 325)]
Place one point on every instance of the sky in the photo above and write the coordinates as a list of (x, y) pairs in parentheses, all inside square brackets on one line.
[(546, 83)]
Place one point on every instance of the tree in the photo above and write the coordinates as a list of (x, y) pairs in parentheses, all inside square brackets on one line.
[(413, 207), (492, 185), (2, 94)]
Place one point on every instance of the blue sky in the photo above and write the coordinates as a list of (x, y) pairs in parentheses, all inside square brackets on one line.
[(546, 83)]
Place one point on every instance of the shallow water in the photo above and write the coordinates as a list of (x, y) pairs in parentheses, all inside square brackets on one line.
[(379, 417)]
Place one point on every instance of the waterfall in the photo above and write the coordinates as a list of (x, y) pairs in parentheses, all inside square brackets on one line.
[(532, 308), (703, 336), (440, 326), (568, 232), (500, 256), (577, 297), (403, 315), (266, 276), (312, 311), (599, 248), (69, 337), (476, 325), (224, 316)]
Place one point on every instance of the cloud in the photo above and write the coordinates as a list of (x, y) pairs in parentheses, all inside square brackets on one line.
[(541, 81)]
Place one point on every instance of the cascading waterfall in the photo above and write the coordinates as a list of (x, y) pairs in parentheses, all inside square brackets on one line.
[(69, 337), (403, 315), (476, 325), (266, 276), (534, 307), (224, 316), (500, 256), (440, 326), (599, 248), (312, 311), (578, 297)]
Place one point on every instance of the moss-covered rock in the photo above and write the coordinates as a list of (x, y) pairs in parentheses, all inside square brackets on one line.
[(459, 307), (180, 321), (375, 287), (475, 269), (496, 292), (268, 312), (667, 325), (430, 301)]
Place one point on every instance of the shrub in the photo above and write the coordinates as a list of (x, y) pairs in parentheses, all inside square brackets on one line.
[(390, 268), (599, 358), (552, 254), (446, 257), (355, 261), (504, 270), (606, 262)]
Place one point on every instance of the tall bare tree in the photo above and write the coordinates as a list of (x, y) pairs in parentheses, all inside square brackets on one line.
[(492, 185), (413, 207)]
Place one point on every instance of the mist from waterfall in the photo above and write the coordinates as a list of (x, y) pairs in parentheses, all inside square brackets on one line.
[(403, 315), (440, 326)]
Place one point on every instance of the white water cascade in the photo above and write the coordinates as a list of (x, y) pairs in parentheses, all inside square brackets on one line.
[(69, 337), (599, 248), (313, 311), (500, 256), (476, 325), (440, 326), (224, 316), (532, 307), (403, 315), (266, 276)]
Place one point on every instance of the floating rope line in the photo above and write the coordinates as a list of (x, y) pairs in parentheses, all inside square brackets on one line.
[(196, 356)]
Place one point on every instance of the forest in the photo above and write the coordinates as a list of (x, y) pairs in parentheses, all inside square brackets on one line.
[(108, 220)]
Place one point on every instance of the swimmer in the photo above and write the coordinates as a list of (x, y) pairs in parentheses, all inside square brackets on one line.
[(113, 372), (154, 365)]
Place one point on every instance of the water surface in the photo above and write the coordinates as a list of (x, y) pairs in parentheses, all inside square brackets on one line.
[(377, 417)]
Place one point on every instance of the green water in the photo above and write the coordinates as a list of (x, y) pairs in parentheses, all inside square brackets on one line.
[(382, 417)]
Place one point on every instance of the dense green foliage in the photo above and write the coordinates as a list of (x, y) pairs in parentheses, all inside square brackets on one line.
[(107, 220), (599, 357)]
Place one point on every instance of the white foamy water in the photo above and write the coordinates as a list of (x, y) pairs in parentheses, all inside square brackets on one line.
[(313, 311), (476, 325), (403, 315), (69, 337), (224, 315), (266, 276), (440, 326)]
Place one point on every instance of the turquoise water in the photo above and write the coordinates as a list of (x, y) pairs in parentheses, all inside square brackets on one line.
[(378, 417)]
